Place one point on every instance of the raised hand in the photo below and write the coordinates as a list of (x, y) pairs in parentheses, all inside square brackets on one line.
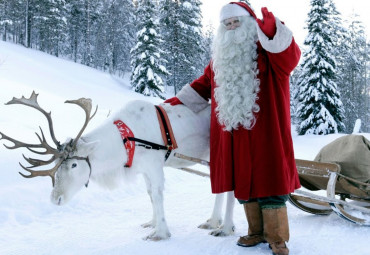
[(268, 23)]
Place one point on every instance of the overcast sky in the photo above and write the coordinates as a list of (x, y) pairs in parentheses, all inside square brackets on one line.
[(292, 12)]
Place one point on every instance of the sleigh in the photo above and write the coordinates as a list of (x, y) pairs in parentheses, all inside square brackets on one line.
[(324, 190), (345, 196)]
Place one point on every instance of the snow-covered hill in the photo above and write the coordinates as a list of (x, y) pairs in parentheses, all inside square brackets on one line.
[(99, 221)]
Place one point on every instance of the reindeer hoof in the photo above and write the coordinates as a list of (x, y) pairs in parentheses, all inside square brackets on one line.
[(148, 225), (210, 224), (218, 232), (223, 232), (155, 237)]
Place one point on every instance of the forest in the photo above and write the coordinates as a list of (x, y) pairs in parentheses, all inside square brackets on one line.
[(162, 45)]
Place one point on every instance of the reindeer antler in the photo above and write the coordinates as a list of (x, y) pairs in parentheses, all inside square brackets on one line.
[(32, 102), (60, 152), (85, 104), (34, 173)]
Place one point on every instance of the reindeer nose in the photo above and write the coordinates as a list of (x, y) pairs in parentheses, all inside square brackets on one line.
[(58, 200)]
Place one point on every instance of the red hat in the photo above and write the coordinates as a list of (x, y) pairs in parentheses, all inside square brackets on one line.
[(247, 7)]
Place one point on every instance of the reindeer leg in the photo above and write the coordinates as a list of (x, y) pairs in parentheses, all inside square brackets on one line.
[(151, 223), (216, 219), (160, 229), (228, 227)]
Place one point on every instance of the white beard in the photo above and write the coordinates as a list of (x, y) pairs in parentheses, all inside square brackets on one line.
[(234, 55)]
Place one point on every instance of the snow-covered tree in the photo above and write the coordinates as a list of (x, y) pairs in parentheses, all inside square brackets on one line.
[(75, 23), (207, 42), (192, 41), (294, 92), (116, 36), (56, 27), (11, 20), (147, 69), (320, 110), (181, 29), (352, 58)]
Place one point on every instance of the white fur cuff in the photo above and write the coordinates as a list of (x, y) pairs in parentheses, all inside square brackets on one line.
[(281, 41), (191, 99)]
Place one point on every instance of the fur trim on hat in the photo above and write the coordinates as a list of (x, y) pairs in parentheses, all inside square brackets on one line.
[(247, 7), (232, 10)]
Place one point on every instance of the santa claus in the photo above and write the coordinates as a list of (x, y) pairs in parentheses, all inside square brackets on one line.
[(251, 146)]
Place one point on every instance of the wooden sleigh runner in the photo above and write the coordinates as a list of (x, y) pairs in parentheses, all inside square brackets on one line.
[(347, 197)]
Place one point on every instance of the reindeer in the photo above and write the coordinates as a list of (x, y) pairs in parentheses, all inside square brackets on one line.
[(100, 156)]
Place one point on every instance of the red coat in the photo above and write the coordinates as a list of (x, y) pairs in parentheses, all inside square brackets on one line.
[(258, 162)]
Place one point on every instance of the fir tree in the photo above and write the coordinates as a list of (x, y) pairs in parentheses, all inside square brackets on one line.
[(181, 30), (352, 65), (12, 21), (170, 30), (320, 110), (207, 42), (146, 54), (116, 36), (192, 41), (56, 26), (75, 21)]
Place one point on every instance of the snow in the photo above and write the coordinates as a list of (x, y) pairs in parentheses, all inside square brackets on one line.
[(357, 127), (99, 221)]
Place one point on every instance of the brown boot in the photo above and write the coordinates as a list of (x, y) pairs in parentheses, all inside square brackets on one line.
[(276, 229), (255, 226)]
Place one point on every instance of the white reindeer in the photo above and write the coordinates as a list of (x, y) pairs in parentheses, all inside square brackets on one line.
[(100, 156)]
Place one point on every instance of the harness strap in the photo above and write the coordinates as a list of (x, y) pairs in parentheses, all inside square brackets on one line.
[(129, 139), (166, 130), (126, 132), (146, 144)]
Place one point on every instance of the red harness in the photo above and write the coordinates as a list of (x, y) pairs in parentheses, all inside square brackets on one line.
[(126, 132), (129, 139)]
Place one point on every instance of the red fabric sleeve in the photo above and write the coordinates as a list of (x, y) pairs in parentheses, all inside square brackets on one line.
[(284, 62), (202, 85)]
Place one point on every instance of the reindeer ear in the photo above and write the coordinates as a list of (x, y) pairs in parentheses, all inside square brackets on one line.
[(84, 149)]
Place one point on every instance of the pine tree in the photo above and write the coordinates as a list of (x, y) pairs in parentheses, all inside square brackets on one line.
[(181, 29), (116, 36), (320, 110), (12, 21), (56, 26), (4, 19), (147, 68), (75, 21), (207, 42), (47, 24), (294, 93), (352, 81), (170, 30), (192, 41)]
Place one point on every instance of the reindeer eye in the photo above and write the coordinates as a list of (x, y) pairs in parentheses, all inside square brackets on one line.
[(74, 165)]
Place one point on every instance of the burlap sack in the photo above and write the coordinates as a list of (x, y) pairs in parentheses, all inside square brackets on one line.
[(352, 153)]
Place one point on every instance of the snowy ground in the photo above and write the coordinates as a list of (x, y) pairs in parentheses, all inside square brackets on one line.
[(98, 221)]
